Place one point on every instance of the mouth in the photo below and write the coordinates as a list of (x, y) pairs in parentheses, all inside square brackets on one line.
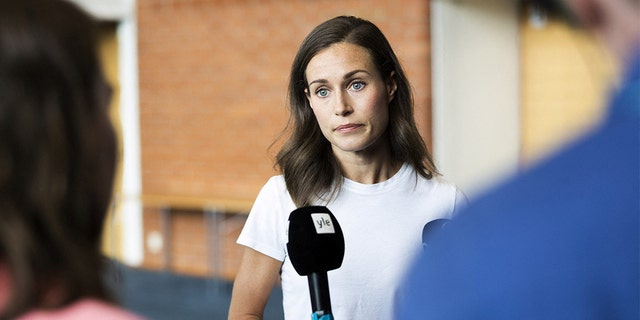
[(347, 127)]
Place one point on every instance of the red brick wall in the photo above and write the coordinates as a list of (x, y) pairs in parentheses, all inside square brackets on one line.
[(213, 78)]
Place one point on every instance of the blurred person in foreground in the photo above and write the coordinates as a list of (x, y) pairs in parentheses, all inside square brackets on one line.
[(57, 161), (561, 240)]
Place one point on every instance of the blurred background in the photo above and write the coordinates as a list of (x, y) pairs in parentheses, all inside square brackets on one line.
[(201, 97)]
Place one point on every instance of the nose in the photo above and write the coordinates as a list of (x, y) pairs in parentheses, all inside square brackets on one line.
[(343, 104)]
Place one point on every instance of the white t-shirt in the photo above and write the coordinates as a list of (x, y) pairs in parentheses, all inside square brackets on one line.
[(382, 226)]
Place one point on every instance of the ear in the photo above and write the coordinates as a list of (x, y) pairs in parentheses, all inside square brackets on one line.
[(392, 86)]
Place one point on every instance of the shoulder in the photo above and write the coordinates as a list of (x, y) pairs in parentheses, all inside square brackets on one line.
[(437, 183), (272, 200), (443, 184), (437, 191), (274, 189), (274, 184), (440, 186)]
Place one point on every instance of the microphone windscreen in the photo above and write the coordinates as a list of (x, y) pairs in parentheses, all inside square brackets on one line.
[(431, 228), (316, 242)]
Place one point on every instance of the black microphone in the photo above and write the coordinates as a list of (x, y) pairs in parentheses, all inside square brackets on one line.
[(316, 245), (431, 228)]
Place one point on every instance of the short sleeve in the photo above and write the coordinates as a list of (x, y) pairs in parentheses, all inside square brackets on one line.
[(266, 227)]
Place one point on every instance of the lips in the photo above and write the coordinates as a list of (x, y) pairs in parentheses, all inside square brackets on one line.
[(347, 127)]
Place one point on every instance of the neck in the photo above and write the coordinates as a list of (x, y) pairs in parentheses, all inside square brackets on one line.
[(368, 169), (372, 165)]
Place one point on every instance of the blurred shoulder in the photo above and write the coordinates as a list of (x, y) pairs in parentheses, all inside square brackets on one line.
[(84, 309)]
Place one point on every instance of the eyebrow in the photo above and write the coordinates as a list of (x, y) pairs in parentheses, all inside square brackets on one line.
[(346, 76)]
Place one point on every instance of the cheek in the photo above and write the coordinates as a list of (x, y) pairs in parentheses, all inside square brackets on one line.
[(321, 117), (377, 107), (382, 119), (380, 114), (317, 114)]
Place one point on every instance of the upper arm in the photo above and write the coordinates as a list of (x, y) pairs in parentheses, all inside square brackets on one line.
[(257, 275)]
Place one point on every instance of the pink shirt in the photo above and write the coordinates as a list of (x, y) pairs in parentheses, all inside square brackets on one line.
[(82, 310), (5, 285)]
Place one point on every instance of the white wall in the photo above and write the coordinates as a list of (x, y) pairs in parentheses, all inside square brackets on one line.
[(131, 204), (112, 10), (475, 91)]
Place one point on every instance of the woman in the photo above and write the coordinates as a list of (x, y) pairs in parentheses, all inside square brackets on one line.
[(57, 162), (355, 148)]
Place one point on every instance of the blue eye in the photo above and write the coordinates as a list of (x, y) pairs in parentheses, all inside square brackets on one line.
[(322, 93), (357, 86)]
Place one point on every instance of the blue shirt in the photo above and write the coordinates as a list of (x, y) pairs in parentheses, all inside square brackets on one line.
[(560, 241)]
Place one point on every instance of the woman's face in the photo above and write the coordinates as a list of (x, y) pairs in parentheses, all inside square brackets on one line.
[(349, 97)]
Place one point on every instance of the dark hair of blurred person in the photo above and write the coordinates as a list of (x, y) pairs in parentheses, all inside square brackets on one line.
[(57, 161)]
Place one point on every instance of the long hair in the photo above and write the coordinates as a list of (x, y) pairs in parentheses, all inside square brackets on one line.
[(57, 155), (309, 167)]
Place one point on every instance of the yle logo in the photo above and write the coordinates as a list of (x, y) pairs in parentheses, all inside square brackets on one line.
[(322, 222)]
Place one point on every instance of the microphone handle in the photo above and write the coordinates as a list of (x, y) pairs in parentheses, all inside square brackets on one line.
[(319, 290), (315, 316)]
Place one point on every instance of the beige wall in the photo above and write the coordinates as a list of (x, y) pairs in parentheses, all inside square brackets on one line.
[(566, 76), (108, 42)]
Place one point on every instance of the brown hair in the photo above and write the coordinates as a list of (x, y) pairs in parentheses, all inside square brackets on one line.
[(306, 160)]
